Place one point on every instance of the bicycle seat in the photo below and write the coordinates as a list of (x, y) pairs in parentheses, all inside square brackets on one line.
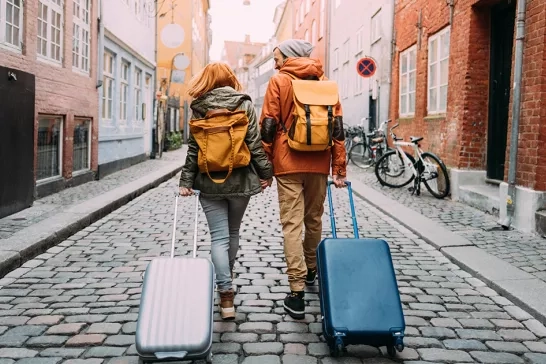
[(415, 140)]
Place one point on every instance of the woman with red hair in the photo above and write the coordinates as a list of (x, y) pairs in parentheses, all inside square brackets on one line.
[(213, 89)]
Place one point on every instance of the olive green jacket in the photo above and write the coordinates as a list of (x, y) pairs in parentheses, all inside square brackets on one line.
[(243, 181)]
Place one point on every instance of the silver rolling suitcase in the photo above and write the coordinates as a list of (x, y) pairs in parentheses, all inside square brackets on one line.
[(175, 319)]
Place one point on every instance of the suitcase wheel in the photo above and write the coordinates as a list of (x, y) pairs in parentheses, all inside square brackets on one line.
[(391, 351), (337, 348), (209, 358)]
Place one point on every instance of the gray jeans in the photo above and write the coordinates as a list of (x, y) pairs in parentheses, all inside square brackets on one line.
[(224, 218)]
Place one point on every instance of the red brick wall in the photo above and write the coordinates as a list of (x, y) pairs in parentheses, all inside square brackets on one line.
[(59, 90), (314, 14), (460, 135)]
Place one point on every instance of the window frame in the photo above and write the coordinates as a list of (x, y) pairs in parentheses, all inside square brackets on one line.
[(405, 56), (437, 64), (137, 94), (89, 123), (61, 121), (109, 76), (82, 21), (53, 8), (375, 27), (4, 44), (124, 81)]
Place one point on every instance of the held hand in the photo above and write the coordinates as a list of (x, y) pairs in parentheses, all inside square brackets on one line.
[(186, 191), (339, 181), (265, 183)]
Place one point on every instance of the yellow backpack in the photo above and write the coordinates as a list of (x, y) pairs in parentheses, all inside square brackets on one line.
[(221, 139), (313, 112)]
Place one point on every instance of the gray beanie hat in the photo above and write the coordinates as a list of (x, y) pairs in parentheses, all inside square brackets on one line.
[(296, 48)]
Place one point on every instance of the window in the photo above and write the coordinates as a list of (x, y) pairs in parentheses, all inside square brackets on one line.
[(346, 51), (314, 33), (138, 94), (11, 22), (322, 20), (50, 136), (108, 86), (375, 32), (438, 62), (408, 74), (147, 95), (307, 6), (336, 58), (124, 93), (344, 80), (358, 37), (82, 144), (50, 29), (81, 33), (307, 35), (297, 20), (302, 12)]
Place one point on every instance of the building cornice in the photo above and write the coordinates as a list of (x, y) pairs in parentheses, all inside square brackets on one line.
[(111, 36)]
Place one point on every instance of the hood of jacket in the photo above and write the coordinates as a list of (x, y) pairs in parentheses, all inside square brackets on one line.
[(303, 67), (220, 98)]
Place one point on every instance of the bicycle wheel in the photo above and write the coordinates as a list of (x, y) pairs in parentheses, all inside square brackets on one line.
[(435, 176), (391, 165), (360, 155)]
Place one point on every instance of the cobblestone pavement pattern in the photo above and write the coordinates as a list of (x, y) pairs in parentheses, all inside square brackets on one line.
[(53, 204), (525, 251), (78, 302)]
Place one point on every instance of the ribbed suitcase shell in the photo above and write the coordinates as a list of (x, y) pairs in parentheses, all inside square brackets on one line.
[(359, 298), (176, 309), (358, 292)]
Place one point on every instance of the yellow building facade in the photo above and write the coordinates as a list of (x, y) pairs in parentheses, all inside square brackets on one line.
[(283, 21), (183, 44)]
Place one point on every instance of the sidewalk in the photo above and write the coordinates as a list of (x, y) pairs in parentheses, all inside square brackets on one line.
[(511, 262), (53, 218)]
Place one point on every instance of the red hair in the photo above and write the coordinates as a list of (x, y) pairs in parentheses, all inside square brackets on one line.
[(214, 75)]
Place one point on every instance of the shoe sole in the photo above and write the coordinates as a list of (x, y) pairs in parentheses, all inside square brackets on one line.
[(227, 313), (310, 283), (297, 315)]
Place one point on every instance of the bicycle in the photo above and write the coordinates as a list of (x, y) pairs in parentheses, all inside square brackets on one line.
[(397, 162), (353, 136), (365, 154)]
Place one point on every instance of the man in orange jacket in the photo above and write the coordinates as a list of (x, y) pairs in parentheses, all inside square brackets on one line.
[(301, 176)]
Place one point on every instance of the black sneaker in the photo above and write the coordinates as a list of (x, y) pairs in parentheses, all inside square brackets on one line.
[(294, 305), (311, 277)]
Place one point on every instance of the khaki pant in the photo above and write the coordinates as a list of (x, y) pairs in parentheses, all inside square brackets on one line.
[(301, 202)]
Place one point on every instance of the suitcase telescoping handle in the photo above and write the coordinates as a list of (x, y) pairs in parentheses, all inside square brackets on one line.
[(196, 192), (351, 204)]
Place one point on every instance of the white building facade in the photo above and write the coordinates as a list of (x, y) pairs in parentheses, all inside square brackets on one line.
[(127, 46), (362, 29)]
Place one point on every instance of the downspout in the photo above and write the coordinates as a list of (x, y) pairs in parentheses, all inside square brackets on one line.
[(327, 12), (516, 110), (100, 38), (391, 62)]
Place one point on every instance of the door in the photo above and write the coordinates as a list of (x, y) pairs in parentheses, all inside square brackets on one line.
[(502, 41), (372, 114), (17, 94)]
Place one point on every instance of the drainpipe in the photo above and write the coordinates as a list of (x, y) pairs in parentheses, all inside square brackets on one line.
[(516, 109), (327, 12), (392, 46), (100, 38)]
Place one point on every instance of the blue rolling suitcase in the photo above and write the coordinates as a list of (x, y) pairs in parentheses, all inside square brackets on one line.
[(359, 298)]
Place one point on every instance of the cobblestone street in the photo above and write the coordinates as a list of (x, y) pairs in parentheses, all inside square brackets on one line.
[(78, 302), (525, 251)]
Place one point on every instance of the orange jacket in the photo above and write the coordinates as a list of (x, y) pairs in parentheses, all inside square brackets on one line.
[(277, 108)]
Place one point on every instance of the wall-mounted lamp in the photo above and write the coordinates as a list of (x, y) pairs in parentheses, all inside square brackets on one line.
[(12, 76)]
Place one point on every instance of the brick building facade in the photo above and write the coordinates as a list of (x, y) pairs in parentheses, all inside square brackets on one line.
[(311, 23), (452, 83), (55, 41)]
